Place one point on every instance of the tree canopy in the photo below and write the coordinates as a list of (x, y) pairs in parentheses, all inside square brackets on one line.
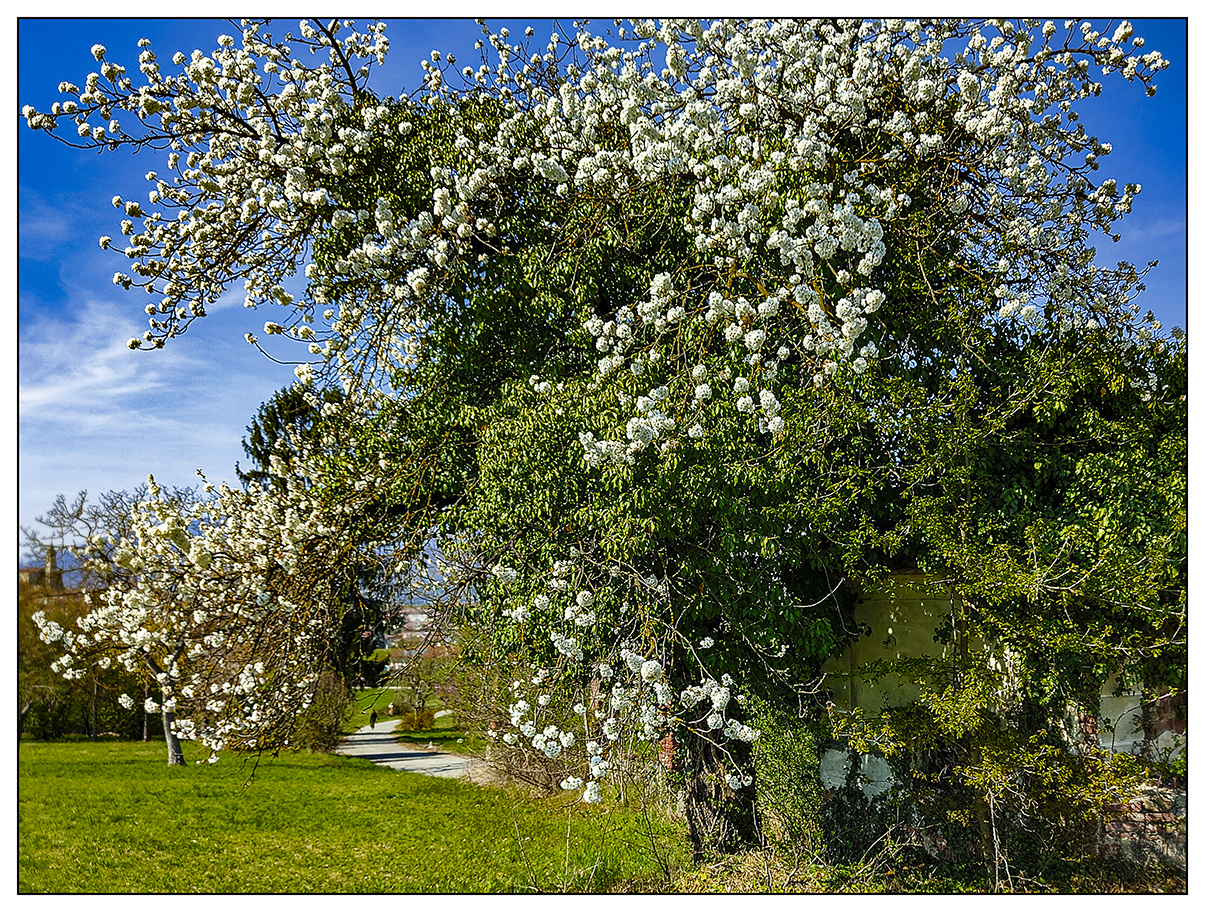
[(672, 341)]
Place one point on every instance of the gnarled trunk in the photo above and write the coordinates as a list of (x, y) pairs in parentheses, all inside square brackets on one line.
[(719, 818)]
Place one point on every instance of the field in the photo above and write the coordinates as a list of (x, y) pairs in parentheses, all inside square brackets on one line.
[(113, 817)]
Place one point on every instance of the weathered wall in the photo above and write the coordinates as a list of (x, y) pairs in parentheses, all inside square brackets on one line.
[(1153, 826), (902, 619)]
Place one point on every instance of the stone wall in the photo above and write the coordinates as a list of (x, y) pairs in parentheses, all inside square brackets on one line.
[(1153, 827)]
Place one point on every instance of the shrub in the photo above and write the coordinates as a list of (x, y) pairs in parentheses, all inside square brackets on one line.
[(788, 790), (320, 727), (416, 720)]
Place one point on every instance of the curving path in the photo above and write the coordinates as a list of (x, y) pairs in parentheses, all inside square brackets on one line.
[(380, 746)]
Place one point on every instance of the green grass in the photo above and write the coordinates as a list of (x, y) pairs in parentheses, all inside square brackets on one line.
[(113, 817)]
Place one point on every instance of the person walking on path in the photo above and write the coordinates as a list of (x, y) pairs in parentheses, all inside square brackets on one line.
[(384, 750), (372, 720)]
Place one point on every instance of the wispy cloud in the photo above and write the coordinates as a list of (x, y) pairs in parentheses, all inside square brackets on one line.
[(44, 225), (1138, 231), (83, 366), (94, 415)]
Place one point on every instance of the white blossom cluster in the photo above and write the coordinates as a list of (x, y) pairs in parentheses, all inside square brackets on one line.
[(246, 130), (789, 136), (756, 119), (629, 694), (807, 90)]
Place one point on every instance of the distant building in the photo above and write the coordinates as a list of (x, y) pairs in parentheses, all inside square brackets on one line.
[(414, 627), (49, 576), (31, 576)]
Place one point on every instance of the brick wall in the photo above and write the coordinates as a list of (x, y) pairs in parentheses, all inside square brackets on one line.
[(1153, 827)]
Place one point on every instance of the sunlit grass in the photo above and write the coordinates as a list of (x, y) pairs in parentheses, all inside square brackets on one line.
[(113, 817)]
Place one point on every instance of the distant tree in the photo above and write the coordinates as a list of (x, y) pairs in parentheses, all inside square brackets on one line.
[(211, 596), (285, 426), (49, 706), (97, 525), (37, 684), (292, 428)]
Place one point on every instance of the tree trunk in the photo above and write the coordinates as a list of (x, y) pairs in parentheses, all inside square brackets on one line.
[(719, 818), (92, 726), (175, 754)]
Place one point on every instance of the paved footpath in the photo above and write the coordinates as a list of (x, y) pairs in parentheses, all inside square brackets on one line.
[(381, 746)]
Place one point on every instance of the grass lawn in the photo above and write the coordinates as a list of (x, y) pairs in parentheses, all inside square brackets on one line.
[(113, 817)]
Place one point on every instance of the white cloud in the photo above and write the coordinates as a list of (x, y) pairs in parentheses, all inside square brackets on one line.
[(83, 366), (1137, 230), (94, 415)]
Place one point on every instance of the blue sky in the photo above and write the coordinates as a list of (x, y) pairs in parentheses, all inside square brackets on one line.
[(94, 415)]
